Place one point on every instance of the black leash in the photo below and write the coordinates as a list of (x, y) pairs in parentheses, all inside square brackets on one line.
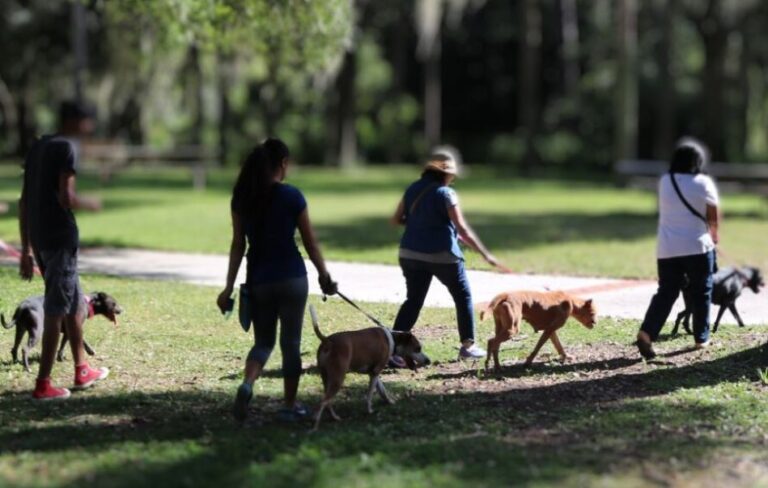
[(370, 317)]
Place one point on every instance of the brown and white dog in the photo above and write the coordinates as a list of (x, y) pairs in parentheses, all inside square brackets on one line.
[(545, 311), (365, 351)]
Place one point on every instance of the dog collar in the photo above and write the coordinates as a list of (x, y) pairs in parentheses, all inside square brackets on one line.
[(390, 340), (89, 303)]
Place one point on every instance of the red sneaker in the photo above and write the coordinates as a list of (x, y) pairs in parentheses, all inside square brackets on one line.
[(85, 376), (44, 391)]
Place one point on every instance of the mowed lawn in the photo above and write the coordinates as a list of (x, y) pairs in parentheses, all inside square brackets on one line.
[(604, 419), (535, 226)]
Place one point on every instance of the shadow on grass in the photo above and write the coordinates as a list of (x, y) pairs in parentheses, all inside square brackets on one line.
[(546, 433)]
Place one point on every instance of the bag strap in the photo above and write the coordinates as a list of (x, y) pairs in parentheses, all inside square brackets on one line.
[(420, 196), (685, 202)]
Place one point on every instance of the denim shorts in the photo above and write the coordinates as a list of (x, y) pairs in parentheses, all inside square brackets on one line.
[(63, 295)]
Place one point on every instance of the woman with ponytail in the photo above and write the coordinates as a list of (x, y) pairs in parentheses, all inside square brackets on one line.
[(266, 212)]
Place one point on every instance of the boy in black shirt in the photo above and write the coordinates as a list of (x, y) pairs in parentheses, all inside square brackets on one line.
[(49, 235)]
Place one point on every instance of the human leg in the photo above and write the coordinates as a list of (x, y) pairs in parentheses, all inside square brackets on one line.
[(700, 270), (264, 311), (454, 277), (292, 303), (417, 281), (671, 278), (264, 316)]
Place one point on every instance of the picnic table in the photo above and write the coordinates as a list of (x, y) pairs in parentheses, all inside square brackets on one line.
[(644, 173), (110, 158)]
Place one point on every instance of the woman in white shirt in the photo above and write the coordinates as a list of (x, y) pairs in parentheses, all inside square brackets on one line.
[(687, 236)]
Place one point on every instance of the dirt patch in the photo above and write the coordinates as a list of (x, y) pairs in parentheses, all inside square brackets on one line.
[(596, 373)]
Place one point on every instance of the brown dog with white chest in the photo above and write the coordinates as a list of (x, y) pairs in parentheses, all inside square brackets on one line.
[(545, 311), (365, 351)]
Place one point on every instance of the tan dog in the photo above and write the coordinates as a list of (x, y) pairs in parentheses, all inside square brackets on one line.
[(365, 351), (545, 311)]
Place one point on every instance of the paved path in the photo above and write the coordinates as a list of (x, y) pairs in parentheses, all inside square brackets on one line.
[(377, 283)]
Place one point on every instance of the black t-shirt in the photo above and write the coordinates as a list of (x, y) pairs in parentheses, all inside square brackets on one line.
[(51, 226)]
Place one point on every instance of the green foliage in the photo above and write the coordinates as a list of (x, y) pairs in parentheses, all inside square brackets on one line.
[(763, 374), (309, 34)]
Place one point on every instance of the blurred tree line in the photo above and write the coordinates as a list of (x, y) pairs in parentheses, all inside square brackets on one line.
[(523, 84)]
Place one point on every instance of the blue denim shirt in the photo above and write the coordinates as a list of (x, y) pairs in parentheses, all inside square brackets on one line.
[(429, 228)]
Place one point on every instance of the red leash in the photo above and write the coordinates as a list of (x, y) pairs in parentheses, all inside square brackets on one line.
[(11, 251)]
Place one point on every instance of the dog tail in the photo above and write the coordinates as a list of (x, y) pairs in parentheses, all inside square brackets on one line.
[(8, 325), (491, 306), (316, 323)]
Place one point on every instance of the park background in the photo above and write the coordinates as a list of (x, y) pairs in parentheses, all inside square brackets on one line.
[(542, 98)]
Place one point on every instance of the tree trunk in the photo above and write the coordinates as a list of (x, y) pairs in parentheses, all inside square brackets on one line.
[(626, 80), (569, 24), (225, 108), (196, 86), (741, 120), (401, 56), (429, 16), (79, 47), (25, 122), (10, 117), (528, 70), (666, 101), (346, 112)]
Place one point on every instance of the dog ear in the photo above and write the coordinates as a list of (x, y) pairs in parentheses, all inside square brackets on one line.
[(588, 303)]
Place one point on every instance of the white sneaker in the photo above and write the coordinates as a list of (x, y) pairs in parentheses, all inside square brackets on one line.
[(472, 352), (703, 345)]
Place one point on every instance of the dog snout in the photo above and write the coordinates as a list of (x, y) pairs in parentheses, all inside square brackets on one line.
[(421, 359)]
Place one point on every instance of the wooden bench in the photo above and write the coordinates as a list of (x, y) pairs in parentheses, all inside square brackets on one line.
[(644, 173), (108, 159)]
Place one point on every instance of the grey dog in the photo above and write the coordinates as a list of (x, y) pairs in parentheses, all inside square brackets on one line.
[(29, 319)]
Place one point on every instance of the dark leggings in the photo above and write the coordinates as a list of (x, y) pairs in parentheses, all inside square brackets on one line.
[(283, 300)]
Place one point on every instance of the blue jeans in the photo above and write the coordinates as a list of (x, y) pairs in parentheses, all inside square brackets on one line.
[(418, 277), (674, 273), (284, 300)]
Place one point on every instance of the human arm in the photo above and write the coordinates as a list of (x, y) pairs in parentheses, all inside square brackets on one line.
[(399, 216), (68, 197), (236, 253), (713, 221), (315, 255), (468, 235), (26, 262)]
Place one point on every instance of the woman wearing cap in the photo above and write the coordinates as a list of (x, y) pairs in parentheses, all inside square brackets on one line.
[(429, 248), (687, 235)]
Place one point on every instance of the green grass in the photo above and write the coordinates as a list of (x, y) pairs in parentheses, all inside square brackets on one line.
[(604, 419), (575, 227)]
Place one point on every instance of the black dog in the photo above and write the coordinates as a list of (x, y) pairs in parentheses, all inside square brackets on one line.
[(727, 287), (29, 318)]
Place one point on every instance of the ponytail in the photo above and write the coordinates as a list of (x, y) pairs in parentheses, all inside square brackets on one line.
[(254, 183)]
